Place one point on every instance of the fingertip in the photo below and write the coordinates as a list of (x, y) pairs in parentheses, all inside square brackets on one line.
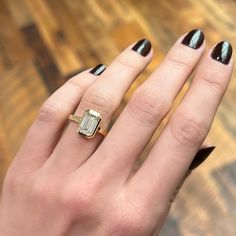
[(142, 47), (222, 53), (194, 40), (98, 69)]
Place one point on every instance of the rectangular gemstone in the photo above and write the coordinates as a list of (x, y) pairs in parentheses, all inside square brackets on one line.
[(89, 123)]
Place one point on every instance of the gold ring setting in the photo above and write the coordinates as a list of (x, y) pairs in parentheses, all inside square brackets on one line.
[(89, 123)]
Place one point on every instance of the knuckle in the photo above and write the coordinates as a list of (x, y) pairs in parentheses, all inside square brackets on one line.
[(76, 83), (100, 100), (77, 199), (48, 112), (175, 61), (214, 83), (80, 201), (127, 62), (82, 198), (41, 191), (149, 106), (188, 130)]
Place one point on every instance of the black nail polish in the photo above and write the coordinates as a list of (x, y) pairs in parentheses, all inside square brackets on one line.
[(222, 52), (142, 47), (194, 39), (201, 156), (97, 70)]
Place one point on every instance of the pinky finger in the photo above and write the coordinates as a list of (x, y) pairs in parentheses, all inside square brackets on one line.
[(51, 119)]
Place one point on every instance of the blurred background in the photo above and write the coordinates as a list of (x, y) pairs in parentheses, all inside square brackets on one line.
[(44, 42)]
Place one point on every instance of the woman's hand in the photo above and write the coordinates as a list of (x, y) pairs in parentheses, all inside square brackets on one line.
[(61, 183)]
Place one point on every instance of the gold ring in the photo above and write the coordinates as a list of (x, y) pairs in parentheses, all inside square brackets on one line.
[(88, 124)]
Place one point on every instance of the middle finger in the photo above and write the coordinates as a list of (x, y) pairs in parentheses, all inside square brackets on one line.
[(148, 106)]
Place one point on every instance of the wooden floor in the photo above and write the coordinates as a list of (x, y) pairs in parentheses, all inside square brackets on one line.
[(44, 42)]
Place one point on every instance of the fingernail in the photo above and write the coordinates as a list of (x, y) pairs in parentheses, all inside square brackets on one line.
[(201, 156), (194, 39), (222, 52), (142, 47), (97, 70)]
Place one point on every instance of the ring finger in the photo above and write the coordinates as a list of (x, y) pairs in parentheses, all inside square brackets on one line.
[(104, 97)]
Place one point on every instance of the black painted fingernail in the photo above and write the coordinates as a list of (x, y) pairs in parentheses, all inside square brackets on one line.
[(222, 52), (97, 70), (142, 47), (194, 39), (201, 156)]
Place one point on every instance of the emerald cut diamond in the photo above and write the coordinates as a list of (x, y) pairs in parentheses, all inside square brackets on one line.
[(89, 123)]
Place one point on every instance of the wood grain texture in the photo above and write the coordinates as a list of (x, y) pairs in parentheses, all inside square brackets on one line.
[(44, 42)]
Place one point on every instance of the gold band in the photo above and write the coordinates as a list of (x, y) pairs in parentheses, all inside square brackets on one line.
[(79, 120), (75, 118)]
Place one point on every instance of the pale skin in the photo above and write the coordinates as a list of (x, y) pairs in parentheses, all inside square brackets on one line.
[(61, 183)]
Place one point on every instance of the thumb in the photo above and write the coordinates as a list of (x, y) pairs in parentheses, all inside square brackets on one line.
[(199, 158)]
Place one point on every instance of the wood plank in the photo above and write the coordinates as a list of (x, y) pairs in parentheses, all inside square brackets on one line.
[(18, 107), (43, 59), (54, 36), (12, 48)]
